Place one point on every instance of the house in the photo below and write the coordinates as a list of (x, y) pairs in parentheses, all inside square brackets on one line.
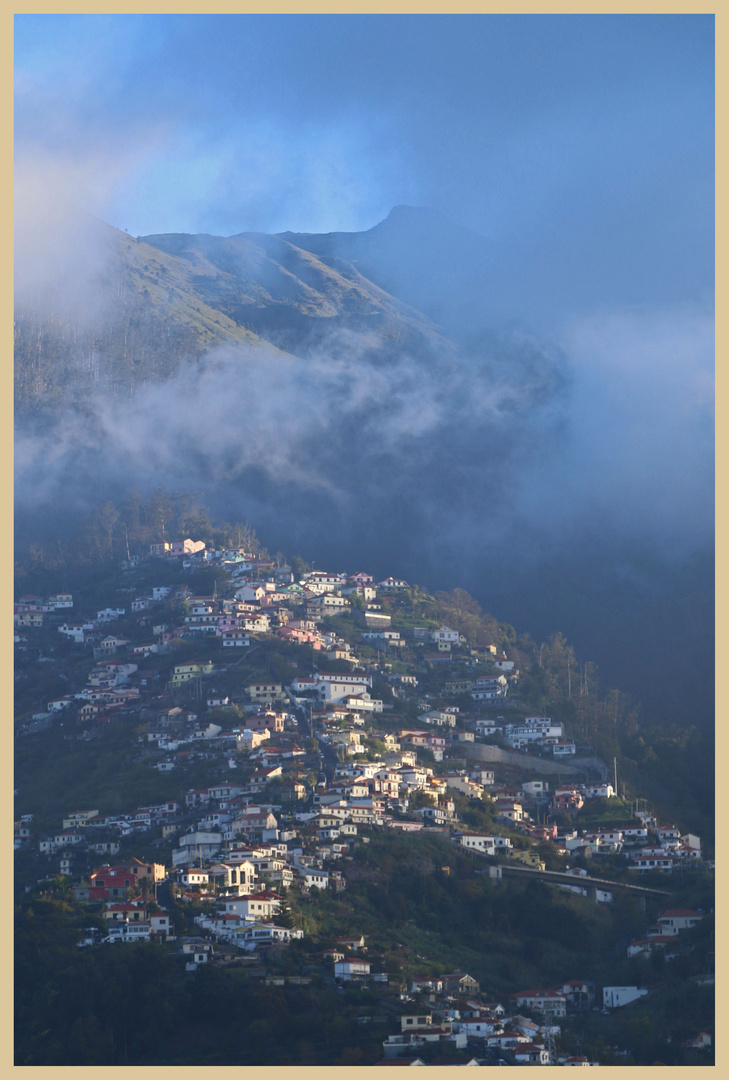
[(460, 984), (21, 834), (182, 673), (487, 845), (480, 1024), (360, 578), (109, 645), (634, 832), (567, 798), (350, 968), (675, 920), (196, 845), (126, 932), (192, 876), (313, 879), (109, 614), (79, 818), (465, 786), (545, 1001), (441, 1036), (123, 912), (504, 665), (216, 701), (110, 882), (266, 691), (535, 788), (354, 943), (508, 809), (430, 983), (579, 992), (614, 997), (59, 703), (146, 648), (433, 815), (263, 935), (239, 875), (179, 548), (30, 619), (599, 791), (528, 857), (392, 584), (702, 1041), (256, 906), (61, 600), (646, 860), (646, 946), (531, 1054), (668, 833), (235, 639)]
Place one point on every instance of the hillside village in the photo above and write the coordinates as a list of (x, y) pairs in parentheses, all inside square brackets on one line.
[(289, 725)]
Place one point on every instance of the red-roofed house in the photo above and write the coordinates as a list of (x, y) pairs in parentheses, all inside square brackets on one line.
[(675, 920)]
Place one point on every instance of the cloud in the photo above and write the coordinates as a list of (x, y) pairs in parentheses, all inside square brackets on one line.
[(638, 460), (334, 425), (514, 447)]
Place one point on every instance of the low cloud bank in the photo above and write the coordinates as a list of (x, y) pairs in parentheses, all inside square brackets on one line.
[(512, 444)]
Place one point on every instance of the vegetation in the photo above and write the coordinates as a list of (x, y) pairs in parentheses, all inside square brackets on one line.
[(423, 912)]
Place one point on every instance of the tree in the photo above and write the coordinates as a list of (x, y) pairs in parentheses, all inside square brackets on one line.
[(299, 567), (160, 512)]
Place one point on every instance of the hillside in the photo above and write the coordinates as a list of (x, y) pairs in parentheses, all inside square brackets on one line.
[(423, 258), (204, 707), (291, 297), (139, 309)]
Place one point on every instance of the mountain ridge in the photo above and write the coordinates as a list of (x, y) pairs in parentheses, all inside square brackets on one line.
[(135, 309)]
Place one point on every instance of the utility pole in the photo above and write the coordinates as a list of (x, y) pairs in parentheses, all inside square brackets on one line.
[(126, 539), (549, 1041)]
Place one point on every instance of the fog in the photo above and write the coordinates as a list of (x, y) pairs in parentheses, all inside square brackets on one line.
[(512, 445)]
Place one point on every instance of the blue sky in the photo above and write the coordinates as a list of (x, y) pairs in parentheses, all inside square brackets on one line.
[(582, 141)]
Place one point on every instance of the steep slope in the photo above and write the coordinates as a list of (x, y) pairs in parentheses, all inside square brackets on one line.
[(293, 298), (118, 313), (421, 257), (113, 312)]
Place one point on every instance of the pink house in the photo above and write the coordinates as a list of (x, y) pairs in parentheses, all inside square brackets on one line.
[(186, 547)]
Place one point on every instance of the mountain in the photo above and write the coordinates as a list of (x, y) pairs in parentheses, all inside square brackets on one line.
[(420, 256), (154, 303), (291, 296)]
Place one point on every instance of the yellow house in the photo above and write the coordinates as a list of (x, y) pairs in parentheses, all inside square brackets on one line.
[(266, 691), (79, 818), (184, 672), (459, 686), (527, 857)]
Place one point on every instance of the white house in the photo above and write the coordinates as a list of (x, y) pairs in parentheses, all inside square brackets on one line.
[(675, 920), (613, 997), (599, 791), (351, 968)]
